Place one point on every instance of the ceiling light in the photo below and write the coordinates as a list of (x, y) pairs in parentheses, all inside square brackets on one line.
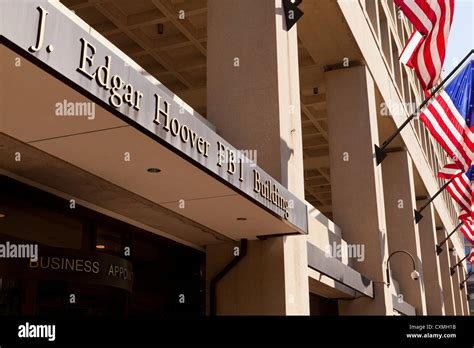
[(100, 246), (2, 215)]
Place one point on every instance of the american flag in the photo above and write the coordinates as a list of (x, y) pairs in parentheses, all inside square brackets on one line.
[(470, 259), (467, 229), (425, 51), (449, 117), (460, 186)]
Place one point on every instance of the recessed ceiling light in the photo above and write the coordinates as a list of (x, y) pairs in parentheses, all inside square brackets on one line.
[(153, 170), (241, 219), (2, 215), (100, 246)]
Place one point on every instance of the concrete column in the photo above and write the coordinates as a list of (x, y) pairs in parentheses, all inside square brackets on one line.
[(461, 292), (455, 281), (253, 99), (357, 189), (400, 201), (255, 286), (462, 297), (253, 94), (465, 300), (431, 264), (444, 262)]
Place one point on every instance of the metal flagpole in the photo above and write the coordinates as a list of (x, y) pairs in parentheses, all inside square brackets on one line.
[(380, 153), (453, 269), (418, 215), (461, 285), (439, 248)]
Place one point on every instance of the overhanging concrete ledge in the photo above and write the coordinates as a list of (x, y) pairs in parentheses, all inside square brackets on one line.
[(403, 307), (338, 271)]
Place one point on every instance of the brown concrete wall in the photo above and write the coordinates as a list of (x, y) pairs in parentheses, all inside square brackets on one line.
[(431, 264), (253, 100), (255, 286), (357, 189), (403, 233), (256, 105), (444, 261), (455, 281)]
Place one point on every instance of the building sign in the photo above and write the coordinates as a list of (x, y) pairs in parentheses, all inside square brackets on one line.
[(49, 33), (73, 266)]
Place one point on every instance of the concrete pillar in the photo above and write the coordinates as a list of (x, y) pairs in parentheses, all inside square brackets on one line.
[(444, 262), (461, 292), (400, 201), (255, 286), (253, 95), (455, 281), (462, 298), (253, 99), (357, 189), (467, 310), (431, 264)]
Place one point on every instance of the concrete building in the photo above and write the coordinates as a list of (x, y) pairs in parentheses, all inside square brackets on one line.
[(195, 157)]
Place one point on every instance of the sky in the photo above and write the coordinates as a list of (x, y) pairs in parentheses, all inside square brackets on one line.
[(461, 37)]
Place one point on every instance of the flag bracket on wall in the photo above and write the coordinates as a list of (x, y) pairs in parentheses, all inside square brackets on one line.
[(292, 12), (439, 247)]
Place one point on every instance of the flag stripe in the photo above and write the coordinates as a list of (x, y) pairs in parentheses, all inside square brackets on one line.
[(467, 228), (467, 231), (432, 19), (449, 171), (416, 13), (411, 47), (436, 130), (449, 106), (452, 128), (460, 190)]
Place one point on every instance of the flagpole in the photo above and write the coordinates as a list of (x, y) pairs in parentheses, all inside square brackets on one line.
[(439, 248), (418, 215), (453, 269), (380, 153), (461, 285)]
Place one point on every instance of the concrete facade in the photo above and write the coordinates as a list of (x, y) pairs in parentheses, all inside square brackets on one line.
[(312, 105), (431, 265)]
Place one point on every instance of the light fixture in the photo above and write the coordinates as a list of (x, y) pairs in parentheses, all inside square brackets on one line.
[(100, 246), (241, 219), (2, 216), (415, 275), (153, 170)]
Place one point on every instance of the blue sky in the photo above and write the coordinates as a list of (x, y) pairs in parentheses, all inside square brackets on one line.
[(461, 38)]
